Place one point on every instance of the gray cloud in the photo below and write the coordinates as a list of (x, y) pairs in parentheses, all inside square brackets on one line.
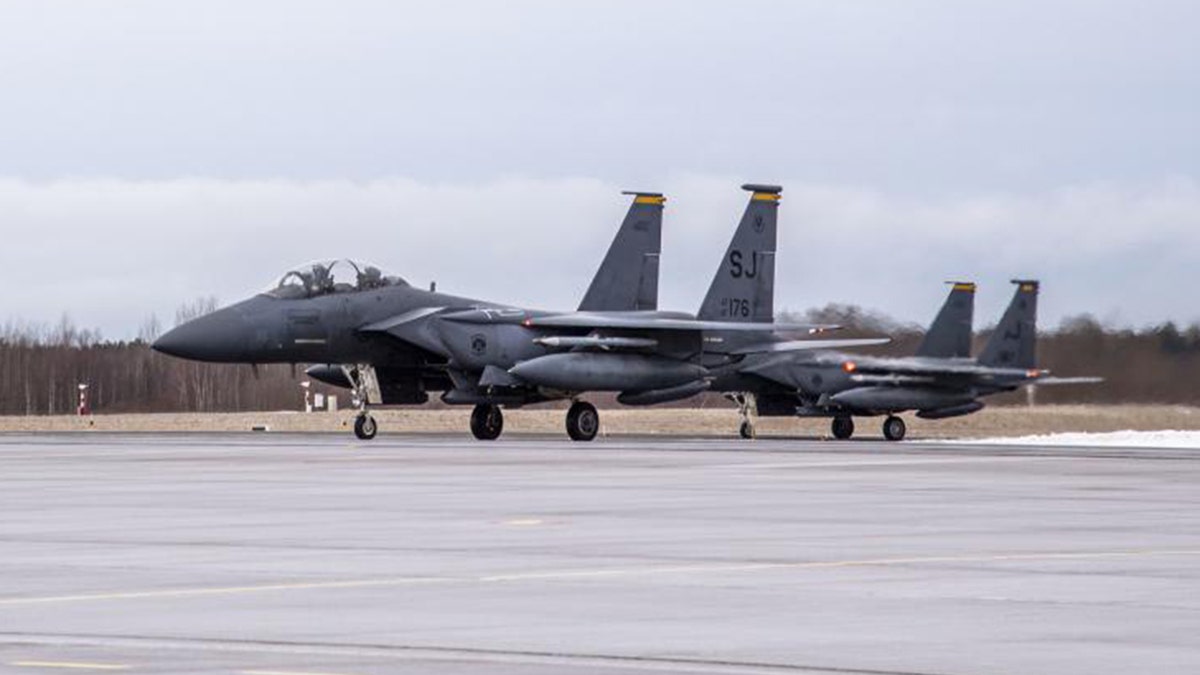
[(109, 252), (151, 152)]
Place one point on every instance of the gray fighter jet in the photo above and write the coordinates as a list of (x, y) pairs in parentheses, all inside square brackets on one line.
[(391, 343), (939, 381)]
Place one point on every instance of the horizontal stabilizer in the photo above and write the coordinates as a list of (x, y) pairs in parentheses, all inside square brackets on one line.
[(1067, 380)]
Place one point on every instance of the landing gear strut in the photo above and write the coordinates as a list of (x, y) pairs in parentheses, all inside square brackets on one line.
[(583, 422), (746, 429), (843, 427), (893, 428), (487, 421), (745, 403), (365, 388)]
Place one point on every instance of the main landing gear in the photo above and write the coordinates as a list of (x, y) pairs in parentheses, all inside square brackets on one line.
[(583, 422), (843, 427), (487, 421), (365, 387), (894, 428)]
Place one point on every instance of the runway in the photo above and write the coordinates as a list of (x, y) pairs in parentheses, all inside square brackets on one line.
[(282, 554)]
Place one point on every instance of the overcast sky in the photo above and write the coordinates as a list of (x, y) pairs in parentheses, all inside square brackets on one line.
[(154, 152)]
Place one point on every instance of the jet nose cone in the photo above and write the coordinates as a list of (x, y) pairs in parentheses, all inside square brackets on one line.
[(219, 337)]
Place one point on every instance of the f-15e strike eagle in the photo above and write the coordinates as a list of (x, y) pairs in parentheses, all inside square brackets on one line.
[(392, 343), (941, 380)]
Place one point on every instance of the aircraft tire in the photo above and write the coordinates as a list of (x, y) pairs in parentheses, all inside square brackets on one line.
[(842, 427), (365, 427), (746, 430), (487, 421), (894, 428), (583, 422)]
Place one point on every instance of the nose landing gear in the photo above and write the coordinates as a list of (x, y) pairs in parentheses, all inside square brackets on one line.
[(365, 427), (746, 404), (365, 387)]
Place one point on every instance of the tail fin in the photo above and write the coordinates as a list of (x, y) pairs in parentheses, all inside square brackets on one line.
[(743, 288), (1014, 343), (628, 277), (949, 335)]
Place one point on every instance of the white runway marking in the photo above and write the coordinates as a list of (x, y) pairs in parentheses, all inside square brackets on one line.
[(616, 572)]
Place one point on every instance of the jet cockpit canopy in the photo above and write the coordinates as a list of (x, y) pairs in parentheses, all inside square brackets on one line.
[(337, 276)]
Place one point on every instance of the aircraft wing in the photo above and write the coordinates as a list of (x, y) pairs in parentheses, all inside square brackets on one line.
[(930, 371), (806, 345), (612, 320), (872, 367)]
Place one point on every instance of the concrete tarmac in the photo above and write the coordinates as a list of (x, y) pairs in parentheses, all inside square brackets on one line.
[(292, 554)]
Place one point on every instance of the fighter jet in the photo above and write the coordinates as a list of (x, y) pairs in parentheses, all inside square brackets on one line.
[(939, 381), (392, 343)]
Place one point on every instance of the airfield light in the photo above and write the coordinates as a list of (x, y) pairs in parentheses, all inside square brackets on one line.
[(83, 408)]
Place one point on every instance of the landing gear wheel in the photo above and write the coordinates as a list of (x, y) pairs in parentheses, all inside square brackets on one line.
[(746, 430), (487, 421), (893, 428), (843, 428), (365, 427), (583, 422)]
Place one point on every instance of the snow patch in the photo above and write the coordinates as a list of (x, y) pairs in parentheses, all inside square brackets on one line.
[(1124, 439)]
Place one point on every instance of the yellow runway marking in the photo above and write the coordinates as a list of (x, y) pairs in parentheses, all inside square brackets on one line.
[(224, 590), (614, 572), (70, 665), (524, 522)]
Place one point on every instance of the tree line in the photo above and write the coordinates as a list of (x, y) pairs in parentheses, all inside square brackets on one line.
[(42, 366)]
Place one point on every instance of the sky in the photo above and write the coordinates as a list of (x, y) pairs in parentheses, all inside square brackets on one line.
[(152, 153)]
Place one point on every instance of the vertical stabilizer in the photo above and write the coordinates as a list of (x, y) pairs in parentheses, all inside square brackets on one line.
[(743, 288), (628, 276), (1014, 344), (949, 336)]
